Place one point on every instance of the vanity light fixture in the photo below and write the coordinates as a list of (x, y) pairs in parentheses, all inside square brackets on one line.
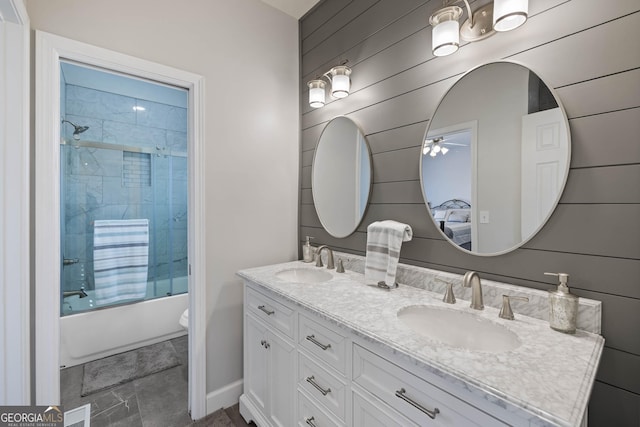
[(316, 93), (509, 14), (340, 80), (445, 37), (499, 15)]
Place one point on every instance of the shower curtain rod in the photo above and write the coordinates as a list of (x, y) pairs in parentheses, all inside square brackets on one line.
[(119, 147)]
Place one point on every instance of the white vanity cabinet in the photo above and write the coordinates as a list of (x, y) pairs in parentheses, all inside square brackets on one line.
[(269, 359), (314, 360), (300, 367)]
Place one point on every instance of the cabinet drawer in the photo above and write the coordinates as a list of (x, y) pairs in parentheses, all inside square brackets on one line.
[(310, 415), (325, 387), (323, 343), (368, 412), (407, 393), (270, 311)]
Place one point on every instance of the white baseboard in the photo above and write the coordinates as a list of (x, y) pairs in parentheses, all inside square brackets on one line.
[(224, 397)]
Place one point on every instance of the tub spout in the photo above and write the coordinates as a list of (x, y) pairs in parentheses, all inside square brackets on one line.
[(80, 292)]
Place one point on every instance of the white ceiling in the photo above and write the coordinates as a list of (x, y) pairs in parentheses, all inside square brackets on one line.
[(295, 8)]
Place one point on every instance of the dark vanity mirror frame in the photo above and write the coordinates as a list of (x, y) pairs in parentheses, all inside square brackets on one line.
[(327, 228), (439, 225)]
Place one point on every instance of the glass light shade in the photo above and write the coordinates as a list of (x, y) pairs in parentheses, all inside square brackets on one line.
[(426, 149), (316, 93), (436, 148), (509, 14), (445, 38), (340, 81), (433, 153), (444, 150), (340, 86)]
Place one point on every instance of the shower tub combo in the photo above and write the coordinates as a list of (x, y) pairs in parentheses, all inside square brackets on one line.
[(123, 159), (96, 333)]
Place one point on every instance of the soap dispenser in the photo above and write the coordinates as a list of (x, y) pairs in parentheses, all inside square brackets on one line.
[(307, 251), (563, 306)]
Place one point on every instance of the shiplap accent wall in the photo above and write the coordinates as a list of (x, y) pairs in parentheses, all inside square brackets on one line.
[(589, 52)]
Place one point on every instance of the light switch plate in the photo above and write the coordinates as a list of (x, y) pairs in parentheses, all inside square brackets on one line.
[(484, 217)]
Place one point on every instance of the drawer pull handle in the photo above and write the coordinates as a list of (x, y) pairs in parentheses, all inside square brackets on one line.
[(312, 338), (310, 422), (311, 381), (265, 344), (266, 310), (432, 414)]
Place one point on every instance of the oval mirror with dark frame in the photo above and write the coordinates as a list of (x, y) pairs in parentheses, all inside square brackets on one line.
[(495, 158), (341, 177)]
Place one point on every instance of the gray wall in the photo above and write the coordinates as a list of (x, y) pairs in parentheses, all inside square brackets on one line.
[(588, 51)]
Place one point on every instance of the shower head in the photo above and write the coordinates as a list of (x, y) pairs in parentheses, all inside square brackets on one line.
[(78, 129)]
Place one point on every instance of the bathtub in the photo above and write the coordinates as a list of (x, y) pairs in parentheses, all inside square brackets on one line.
[(92, 335)]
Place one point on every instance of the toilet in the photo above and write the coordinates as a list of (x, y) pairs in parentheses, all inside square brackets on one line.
[(184, 319)]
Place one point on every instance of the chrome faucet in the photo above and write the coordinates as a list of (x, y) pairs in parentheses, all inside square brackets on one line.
[(330, 264), (81, 293), (472, 280)]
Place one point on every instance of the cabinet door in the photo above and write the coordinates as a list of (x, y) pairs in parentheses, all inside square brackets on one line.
[(256, 358), (282, 362)]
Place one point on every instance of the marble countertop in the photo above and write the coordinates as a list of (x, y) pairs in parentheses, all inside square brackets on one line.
[(547, 379)]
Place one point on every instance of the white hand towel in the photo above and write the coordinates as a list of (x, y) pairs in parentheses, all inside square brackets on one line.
[(384, 240), (120, 259)]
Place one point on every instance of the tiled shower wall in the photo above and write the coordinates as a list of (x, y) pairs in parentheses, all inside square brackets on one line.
[(114, 184)]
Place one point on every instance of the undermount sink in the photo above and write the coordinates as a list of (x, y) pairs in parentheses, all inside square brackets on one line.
[(459, 329), (304, 275)]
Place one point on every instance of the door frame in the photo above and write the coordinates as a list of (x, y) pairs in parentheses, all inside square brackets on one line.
[(50, 49), (15, 324)]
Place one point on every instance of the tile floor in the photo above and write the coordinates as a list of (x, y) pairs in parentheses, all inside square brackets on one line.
[(157, 400)]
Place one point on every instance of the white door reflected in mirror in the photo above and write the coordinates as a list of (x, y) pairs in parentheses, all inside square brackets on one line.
[(544, 154)]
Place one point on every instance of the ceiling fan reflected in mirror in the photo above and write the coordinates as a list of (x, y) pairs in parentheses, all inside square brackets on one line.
[(433, 146)]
